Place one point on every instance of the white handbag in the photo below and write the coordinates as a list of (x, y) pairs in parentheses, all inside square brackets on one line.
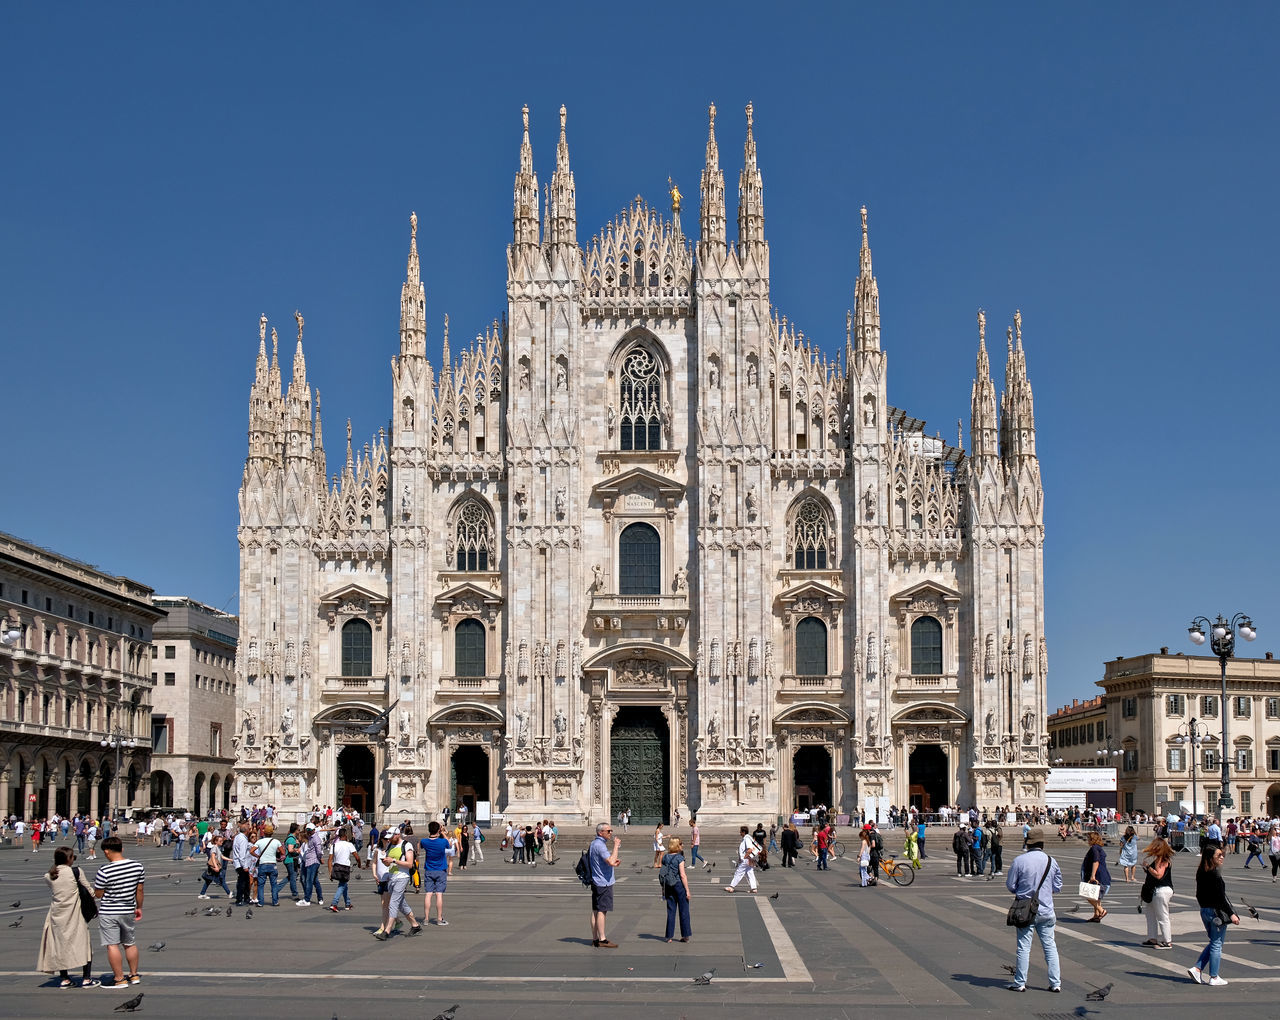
[(1090, 891)]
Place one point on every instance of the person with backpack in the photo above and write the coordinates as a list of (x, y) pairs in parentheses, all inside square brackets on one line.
[(960, 847), (674, 881), (599, 865)]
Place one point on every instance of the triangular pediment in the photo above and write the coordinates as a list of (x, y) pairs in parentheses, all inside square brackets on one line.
[(353, 592), (639, 480), (925, 597), (811, 590), (467, 591)]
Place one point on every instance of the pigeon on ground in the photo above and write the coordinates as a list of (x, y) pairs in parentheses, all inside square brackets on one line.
[(212, 912), (177, 881), (447, 1014), (774, 896), (1098, 994), (755, 966), (17, 923), (248, 914), (16, 905), (156, 947), (228, 909), (1139, 906), (192, 912), (1009, 968), (1253, 911), (1076, 909), (705, 979), (131, 1005)]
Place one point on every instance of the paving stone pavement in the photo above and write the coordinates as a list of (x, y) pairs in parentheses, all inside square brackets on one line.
[(518, 938)]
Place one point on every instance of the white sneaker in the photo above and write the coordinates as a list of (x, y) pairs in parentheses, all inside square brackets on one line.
[(202, 896), (302, 903), (1195, 975), (1216, 982)]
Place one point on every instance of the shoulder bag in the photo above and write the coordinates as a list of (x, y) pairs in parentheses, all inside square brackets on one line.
[(88, 902), (1023, 910)]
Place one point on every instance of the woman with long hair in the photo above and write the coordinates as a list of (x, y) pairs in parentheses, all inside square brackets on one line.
[(65, 941), (1129, 853), (1094, 869), (1159, 869), (1216, 912)]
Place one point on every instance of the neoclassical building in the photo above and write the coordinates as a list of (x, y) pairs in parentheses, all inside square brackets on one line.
[(641, 545)]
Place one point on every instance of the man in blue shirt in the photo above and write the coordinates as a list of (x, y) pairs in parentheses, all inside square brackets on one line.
[(436, 866), (602, 865), (1032, 871)]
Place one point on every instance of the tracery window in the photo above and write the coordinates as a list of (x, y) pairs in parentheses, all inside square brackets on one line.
[(811, 647), (926, 647), (640, 401), (639, 561), (474, 536), (357, 648), (468, 648), (811, 535)]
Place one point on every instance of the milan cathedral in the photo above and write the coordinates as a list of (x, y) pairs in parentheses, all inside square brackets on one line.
[(641, 545)]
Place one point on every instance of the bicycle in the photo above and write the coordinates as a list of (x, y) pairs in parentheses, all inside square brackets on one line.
[(902, 874)]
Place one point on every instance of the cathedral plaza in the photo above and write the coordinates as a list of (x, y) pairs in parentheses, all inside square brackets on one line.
[(640, 545)]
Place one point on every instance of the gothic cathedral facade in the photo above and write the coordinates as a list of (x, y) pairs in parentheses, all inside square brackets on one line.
[(641, 545)]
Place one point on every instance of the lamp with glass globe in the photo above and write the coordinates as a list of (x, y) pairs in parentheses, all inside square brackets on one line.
[(1222, 640)]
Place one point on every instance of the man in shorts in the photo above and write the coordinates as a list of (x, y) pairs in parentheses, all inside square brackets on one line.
[(436, 866), (118, 885), (602, 865)]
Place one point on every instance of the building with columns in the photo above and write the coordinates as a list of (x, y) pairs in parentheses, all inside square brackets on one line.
[(641, 544), (75, 664)]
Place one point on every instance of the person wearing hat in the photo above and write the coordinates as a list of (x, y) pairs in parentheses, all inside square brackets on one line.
[(1036, 874), (960, 844)]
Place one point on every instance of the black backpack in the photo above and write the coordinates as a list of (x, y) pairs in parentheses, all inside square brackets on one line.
[(669, 873), (583, 869)]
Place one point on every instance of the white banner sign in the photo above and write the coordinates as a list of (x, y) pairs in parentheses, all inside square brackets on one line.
[(1081, 779)]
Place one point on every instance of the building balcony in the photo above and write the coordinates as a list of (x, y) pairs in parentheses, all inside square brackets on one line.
[(660, 612), (811, 686), (912, 685), (460, 688), (345, 688)]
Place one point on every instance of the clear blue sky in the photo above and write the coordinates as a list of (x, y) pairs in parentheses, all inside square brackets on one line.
[(170, 175)]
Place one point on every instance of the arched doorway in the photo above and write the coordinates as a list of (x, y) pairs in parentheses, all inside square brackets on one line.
[(1273, 800), (639, 751), (927, 776), (162, 790), (468, 778), (86, 781), (355, 778), (197, 800), (811, 768)]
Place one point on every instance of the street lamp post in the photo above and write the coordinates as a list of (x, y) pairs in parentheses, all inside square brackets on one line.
[(9, 632), (1193, 734), (118, 741), (1222, 639), (1106, 754)]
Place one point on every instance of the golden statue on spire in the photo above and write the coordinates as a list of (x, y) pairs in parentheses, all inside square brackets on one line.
[(675, 195)]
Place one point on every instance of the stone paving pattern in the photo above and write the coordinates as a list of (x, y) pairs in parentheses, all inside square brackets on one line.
[(518, 939)]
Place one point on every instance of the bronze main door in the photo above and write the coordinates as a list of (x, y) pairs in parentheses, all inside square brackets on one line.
[(639, 751)]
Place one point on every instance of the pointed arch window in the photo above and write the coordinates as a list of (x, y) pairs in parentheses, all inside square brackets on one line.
[(640, 401), (639, 561), (357, 648), (811, 647), (468, 649), (473, 535), (926, 647), (811, 532)]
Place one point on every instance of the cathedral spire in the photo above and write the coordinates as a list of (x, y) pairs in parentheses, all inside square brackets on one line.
[(712, 214), (982, 414), (1017, 406), (413, 301), (317, 445), (260, 370), (525, 215), (298, 381), (750, 194), (351, 461), (866, 297), (562, 209)]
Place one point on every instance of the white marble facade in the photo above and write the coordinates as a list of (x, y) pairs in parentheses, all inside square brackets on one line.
[(642, 535)]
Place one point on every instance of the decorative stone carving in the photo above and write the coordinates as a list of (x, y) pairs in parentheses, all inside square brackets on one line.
[(286, 724), (991, 656), (639, 672)]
